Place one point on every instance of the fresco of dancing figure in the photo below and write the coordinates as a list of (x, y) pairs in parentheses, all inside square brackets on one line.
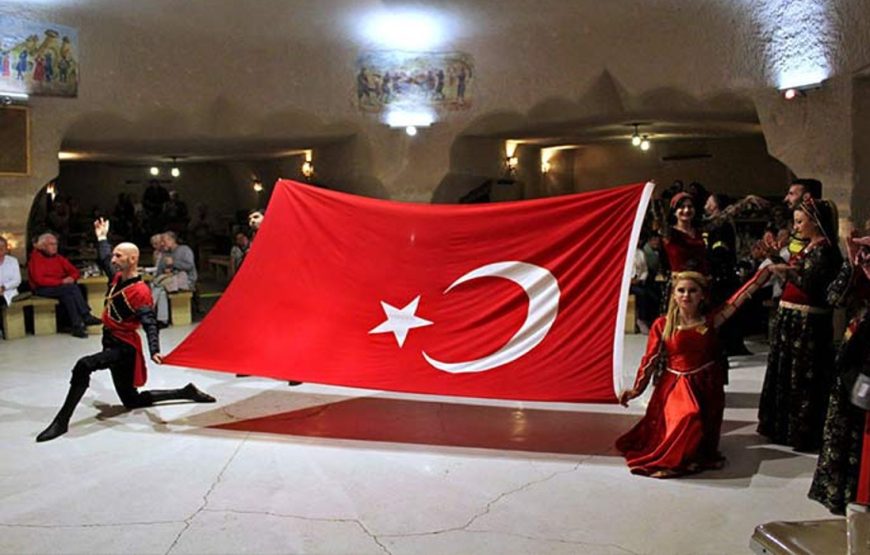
[(38, 58), (441, 80)]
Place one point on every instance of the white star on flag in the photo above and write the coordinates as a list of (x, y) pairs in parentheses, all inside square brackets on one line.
[(401, 320)]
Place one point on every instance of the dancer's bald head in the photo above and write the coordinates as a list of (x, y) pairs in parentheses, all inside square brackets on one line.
[(125, 256), (128, 248)]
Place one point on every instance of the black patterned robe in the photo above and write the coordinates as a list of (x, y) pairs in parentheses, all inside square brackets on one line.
[(794, 396)]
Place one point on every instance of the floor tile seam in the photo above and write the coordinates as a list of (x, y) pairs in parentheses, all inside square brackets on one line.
[(205, 496)]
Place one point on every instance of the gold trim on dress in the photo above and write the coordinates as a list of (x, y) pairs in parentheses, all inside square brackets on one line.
[(805, 308), (693, 370)]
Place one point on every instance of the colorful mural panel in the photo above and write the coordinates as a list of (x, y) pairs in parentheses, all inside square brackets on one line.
[(388, 79), (38, 58)]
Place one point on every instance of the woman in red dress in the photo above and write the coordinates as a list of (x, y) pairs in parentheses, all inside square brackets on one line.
[(679, 434), (684, 242)]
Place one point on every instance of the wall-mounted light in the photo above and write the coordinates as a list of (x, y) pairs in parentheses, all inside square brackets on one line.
[(308, 165), (9, 98), (51, 190), (547, 154), (510, 155), (794, 92)]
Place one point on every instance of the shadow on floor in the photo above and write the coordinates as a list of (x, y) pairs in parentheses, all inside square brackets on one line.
[(747, 451), (431, 423), (417, 422)]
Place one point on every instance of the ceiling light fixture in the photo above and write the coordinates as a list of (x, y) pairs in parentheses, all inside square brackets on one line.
[(635, 138), (154, 170), (174, 172), (644, 143)]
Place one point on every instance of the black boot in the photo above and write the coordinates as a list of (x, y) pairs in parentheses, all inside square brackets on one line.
[(188, 392), (60, 424)]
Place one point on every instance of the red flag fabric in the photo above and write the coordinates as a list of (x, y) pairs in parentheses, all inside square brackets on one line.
[(514, 300)]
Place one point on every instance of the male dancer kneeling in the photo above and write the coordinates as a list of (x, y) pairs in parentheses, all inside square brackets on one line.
[(128, 303)]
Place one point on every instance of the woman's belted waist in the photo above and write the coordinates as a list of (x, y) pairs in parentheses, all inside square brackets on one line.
[(805, 308), (693, 370)]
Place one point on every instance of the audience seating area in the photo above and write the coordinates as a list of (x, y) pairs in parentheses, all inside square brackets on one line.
[(41, 313)]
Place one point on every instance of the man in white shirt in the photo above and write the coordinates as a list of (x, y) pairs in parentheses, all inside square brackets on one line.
[(641, 292), (10, 274)]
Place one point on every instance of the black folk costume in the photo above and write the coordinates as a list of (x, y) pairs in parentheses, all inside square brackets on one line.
[(835, 483), (794, 396), (128, 304)]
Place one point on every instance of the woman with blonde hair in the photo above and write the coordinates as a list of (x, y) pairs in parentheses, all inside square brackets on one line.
[(679, 434)]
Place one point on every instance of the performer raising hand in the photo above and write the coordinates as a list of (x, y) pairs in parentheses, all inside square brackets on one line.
[(679, 434), (128, 305)]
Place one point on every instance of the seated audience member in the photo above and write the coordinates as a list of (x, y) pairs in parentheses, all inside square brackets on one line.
[(176, 271), (239, 251), (52, 275), (10, 274), (638, 288), (157, 247)]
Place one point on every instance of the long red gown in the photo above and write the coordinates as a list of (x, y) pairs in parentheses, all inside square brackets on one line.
[(680, 431)]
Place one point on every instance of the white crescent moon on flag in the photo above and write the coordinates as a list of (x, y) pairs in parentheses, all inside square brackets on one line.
[(543, 291)]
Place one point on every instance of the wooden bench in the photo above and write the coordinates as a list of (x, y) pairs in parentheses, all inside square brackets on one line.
[(631, 315), (180, 308), (44, 322)]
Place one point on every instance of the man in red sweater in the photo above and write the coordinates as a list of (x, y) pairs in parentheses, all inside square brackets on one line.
[(52, 275)]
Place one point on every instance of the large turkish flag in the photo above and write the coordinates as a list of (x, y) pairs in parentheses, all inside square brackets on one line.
[(513, 300)]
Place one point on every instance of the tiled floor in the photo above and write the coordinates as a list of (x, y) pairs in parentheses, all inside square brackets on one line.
[(316, 469)]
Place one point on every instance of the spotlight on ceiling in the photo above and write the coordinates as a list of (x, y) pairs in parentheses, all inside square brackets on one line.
[(410, 119), (635, 138), (174, 171)]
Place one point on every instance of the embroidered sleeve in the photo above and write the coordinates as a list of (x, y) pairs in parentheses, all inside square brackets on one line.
[(839, 289), (654, 351), (741, 297), (149, 324)]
